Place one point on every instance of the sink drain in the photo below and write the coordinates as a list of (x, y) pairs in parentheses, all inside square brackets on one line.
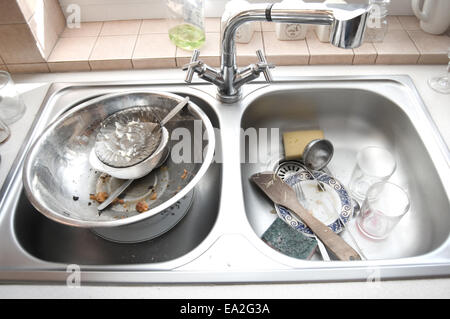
[(288, 168)]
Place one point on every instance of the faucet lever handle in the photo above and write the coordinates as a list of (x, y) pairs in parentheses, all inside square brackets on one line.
[(265, 65), (191, 65)]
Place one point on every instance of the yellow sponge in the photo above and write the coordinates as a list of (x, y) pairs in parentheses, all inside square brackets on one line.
[(295, 142)]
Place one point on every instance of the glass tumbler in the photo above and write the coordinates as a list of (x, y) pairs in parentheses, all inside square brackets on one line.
[(384, 206), (373, 164), (11, 106), (441, 83)]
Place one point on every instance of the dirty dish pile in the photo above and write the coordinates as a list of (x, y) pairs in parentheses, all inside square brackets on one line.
[(62, 184)]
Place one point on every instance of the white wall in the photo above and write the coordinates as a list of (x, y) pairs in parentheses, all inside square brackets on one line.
[(103, 10)]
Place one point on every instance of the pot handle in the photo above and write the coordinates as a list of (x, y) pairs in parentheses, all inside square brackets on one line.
[(419, 13)]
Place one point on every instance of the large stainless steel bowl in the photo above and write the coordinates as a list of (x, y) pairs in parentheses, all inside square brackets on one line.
[(58, 178)]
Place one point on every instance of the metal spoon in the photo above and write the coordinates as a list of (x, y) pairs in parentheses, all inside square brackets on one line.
[(127, 183), (316, 156), (318, 153)]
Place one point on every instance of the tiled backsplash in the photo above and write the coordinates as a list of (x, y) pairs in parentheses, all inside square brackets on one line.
[(29, 30), (142, 44)]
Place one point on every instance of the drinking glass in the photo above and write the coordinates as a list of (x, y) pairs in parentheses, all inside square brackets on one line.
[(4, 131), (11, 105), (441, 83), (384, 206), (373, 164)]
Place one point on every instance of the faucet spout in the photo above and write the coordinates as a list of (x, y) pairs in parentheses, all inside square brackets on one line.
[(349, 25)]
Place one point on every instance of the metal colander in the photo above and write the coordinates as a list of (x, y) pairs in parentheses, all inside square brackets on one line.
[(59, 179)]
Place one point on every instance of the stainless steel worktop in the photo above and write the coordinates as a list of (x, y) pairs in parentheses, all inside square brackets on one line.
[(239, 268)]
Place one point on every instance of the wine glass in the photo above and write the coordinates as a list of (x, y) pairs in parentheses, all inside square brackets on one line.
[(441, 83)]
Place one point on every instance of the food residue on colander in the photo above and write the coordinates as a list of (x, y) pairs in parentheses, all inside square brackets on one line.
[(104, 178), (142, 206), (99, 197), (185, 173), (118, 201), (153, 196)]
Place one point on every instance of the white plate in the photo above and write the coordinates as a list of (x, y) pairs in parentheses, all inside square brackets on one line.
[(325, 205)]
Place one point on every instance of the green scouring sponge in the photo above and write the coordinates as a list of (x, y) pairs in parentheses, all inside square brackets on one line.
[(289, 241)]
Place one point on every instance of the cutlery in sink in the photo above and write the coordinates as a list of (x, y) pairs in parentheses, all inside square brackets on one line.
[(282, 194)]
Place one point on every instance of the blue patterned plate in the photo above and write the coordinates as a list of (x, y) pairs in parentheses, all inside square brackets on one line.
[(325, 205)]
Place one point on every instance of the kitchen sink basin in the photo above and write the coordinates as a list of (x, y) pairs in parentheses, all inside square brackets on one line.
[(353, 118), (219, 238), (55, 242)]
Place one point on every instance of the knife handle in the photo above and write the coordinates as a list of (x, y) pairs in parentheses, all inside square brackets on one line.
[(335, 243)]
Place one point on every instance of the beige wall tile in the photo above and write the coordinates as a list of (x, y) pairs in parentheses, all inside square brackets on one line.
[(1, 60), (86, 29), (212, 25), (409, 22), (46, 24), (72, 66), (116, 64), (56, 19), (396, 48), (154, 26), (267, 26), (28, 68), (246, 52), (43, 32), (156, 63), (123, 27), (209, 52), (3, 68), (285, 52), (365, 54), (10, 12), (28, 7), (433, 48), (394, 23), (17, 44), (113, 52), (154, 51), (114, 47), (326, 53), (433, 58), (72, 49)]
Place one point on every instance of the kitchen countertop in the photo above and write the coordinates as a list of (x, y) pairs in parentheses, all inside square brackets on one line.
[(33, 88)]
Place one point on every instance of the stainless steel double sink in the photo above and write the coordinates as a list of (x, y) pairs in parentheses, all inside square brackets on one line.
[(219, 239)]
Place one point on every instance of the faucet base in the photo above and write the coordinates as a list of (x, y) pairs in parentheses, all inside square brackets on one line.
[(229, 98)]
